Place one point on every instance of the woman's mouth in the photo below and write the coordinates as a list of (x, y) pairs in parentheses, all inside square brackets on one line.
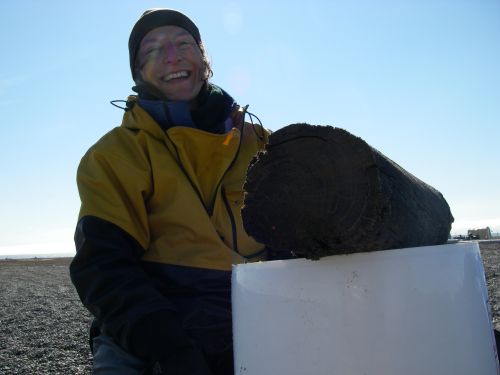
[(176, 75)]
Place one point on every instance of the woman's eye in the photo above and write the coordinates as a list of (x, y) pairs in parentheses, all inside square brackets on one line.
[(184, 44), (150, 50)]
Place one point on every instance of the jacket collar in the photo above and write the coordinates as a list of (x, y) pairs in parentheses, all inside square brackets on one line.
[(214, 106), (138, 118)]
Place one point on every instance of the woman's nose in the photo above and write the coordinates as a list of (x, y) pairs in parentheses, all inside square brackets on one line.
[(171, 54)]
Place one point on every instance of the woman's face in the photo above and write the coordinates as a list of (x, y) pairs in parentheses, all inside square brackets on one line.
[(169, 58)]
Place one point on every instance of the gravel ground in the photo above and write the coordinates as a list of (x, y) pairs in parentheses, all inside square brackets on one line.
[(43, 326), (42, 322), (490, 252)]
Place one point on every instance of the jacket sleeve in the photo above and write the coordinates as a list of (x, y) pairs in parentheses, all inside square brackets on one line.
[(111, 283), (107, 271)]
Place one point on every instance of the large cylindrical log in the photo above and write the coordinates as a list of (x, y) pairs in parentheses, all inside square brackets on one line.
[(319, 190)]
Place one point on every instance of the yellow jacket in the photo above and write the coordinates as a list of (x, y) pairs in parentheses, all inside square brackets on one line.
[(177, 193)]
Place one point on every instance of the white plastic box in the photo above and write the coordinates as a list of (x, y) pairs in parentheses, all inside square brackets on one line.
[(414, 311)]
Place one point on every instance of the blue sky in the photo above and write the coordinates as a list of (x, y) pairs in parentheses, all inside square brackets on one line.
[(419, 80)]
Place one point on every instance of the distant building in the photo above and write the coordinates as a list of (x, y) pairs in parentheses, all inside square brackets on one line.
[(483, 234)]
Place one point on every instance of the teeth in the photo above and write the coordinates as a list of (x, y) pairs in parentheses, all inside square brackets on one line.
[(175, 75)]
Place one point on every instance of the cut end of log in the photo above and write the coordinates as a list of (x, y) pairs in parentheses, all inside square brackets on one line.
[(319, 190)]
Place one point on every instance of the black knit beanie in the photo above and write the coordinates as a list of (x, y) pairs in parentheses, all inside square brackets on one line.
[(153, 18)]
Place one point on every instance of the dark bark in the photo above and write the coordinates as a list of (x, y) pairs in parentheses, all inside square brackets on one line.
[(319, 190)]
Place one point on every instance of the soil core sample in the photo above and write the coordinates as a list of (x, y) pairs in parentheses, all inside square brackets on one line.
[(319, 190)]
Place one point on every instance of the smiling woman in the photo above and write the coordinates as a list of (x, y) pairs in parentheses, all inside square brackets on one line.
[(170, 60), (159, 226)]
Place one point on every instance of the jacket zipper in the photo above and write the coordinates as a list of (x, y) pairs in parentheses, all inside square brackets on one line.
[(231, 219), (234, 230)]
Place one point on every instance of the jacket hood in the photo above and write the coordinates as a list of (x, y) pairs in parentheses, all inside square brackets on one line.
[(137, 118)]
